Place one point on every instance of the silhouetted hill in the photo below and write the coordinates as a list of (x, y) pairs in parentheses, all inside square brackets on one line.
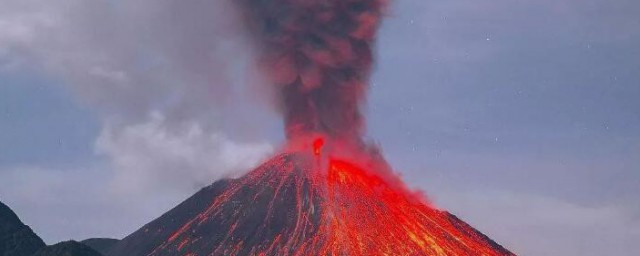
[(101, 245), (16, 238), (69, 248)]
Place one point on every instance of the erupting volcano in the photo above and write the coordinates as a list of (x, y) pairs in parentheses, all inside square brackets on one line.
[(328, 192), (296, 205)]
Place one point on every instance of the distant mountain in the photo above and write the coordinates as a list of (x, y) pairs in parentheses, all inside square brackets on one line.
[(101, 245), (69, 248), (16, 238)]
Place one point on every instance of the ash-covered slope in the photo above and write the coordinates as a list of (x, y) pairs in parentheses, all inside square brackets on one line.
[(285, 207), (16, 238)]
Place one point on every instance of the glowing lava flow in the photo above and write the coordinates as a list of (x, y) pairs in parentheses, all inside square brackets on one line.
[(368, 217), (294, 205)]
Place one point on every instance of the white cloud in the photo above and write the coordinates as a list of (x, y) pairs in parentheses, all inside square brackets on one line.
[(129, 58), (167, 79), (150, 169), (152, 155), (182, 64)]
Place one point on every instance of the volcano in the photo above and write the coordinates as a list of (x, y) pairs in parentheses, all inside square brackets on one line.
[(296, 205), (312, 199)]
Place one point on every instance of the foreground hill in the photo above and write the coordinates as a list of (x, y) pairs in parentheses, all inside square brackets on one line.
[(16, 238)]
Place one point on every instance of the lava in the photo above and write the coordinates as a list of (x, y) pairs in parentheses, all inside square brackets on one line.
[(317, 146), (369, 217)]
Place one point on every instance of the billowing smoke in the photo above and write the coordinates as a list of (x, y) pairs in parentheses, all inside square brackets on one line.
[(166, 78), (166, 83), (176, 107), (318, 56)]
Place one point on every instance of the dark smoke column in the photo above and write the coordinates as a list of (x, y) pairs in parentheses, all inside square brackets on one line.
[(318, 54)]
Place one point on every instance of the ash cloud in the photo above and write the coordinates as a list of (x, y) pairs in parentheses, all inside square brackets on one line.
[(318, 55)]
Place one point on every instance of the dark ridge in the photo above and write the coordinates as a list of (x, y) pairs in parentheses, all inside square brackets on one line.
[(16, 238)]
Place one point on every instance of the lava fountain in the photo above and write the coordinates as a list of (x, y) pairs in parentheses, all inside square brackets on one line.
[(328, 192)]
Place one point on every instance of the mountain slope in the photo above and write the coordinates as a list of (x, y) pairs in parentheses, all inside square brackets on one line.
[(150, 236), (285, 207), (16, 238)]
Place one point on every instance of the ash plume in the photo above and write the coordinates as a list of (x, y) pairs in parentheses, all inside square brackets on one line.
[(318, 57)]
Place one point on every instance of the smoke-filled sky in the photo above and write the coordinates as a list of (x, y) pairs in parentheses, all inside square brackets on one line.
[(521, 117)]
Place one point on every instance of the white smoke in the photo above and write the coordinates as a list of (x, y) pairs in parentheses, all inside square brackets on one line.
[(161, 74), (149, 155)]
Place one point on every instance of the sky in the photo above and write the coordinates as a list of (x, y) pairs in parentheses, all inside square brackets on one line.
[(521, 117)]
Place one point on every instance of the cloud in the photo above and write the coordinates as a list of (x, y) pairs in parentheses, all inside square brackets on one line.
[(150, 156), (180, 67), (170, 83), (150, 169), (130, 57)]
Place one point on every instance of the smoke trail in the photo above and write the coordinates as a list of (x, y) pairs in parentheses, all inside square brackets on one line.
[(318, 55)]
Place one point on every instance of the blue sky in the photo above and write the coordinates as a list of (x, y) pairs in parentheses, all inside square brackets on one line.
[(521, 117)]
